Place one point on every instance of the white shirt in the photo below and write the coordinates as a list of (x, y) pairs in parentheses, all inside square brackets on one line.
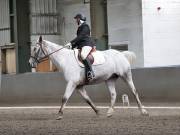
[(81, 22)]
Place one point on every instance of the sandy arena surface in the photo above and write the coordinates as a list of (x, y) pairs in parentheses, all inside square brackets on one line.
[(84, 122)]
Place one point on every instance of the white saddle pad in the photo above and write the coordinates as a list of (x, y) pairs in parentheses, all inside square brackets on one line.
[(98, 58)]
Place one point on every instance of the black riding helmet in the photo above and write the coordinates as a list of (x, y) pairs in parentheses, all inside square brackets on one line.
[(81, 17)]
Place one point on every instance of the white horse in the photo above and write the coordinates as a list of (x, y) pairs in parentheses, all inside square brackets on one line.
[(116, 65)]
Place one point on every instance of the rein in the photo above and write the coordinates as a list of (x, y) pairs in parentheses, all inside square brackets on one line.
[(46, 56)]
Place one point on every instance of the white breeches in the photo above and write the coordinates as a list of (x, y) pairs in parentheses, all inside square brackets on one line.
[(85, 51)]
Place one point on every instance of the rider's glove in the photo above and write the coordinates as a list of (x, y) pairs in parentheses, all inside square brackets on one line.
[(69, 45)]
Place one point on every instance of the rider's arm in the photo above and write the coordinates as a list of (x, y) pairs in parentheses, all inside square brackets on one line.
[(84, 32)]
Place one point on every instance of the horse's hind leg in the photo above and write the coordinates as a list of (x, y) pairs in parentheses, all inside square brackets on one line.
[(111, 86), (128, 79), (84, 94)]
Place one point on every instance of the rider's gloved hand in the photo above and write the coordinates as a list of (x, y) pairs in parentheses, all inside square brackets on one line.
[(69, 45)]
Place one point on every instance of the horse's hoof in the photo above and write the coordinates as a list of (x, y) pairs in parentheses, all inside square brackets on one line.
[(109, 115), (110, 112), (59, 117), (98, 113), (144, 112)]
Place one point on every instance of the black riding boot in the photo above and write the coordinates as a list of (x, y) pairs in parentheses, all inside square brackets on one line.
[(88, 70)]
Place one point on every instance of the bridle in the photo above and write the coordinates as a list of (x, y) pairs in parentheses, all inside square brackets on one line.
[(46, 56)]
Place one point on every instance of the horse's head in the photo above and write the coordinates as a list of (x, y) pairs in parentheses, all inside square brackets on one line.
[(37, 53)]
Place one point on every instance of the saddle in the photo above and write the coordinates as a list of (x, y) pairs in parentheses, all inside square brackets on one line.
[(95, 57)]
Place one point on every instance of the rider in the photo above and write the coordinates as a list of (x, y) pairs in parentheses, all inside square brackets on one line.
[(84, 42)]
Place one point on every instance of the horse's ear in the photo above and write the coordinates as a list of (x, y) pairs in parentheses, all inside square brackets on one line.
[(40, 39)]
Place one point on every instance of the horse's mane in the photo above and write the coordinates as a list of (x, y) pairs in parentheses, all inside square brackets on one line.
[(57, 46), (53, 44)]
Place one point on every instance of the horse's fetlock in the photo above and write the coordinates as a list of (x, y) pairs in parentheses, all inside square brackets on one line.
[(64, 99), (60, 112)]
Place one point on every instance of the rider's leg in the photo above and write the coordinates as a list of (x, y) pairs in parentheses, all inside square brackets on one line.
[(85, 51), (88, 69)]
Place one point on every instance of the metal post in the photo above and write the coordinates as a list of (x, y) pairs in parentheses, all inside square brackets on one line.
[(98, 11), (20, 33)]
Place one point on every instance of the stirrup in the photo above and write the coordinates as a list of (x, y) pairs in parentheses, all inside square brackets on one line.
[(90, 75)]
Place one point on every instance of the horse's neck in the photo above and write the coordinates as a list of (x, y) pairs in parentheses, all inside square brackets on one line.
[(51, 46), (58, 57)]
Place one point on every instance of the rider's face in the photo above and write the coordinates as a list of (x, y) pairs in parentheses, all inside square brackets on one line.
[(77, 21)]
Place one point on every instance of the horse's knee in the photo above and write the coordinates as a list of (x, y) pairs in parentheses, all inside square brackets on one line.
[(84, 94)]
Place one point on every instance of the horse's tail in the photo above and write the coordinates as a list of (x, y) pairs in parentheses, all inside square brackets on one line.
[(131, 56)]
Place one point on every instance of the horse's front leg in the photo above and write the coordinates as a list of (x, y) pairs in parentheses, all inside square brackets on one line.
[(84, 94), (68, 92)]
